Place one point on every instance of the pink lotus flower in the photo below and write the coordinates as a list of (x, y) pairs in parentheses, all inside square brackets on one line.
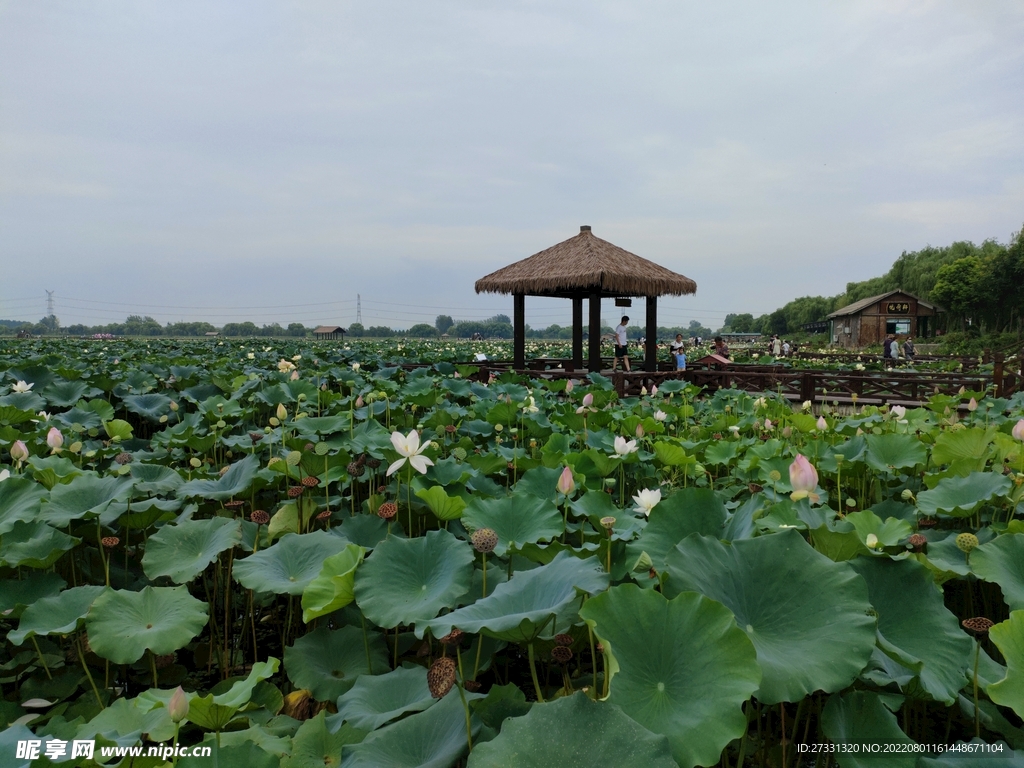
[(565, 484), (822, 425), (639, 431), (768, 424), (654, 389), (295, 375), (568, 386), (19, 451), (802, 475), (972, 406), (359, 402), (54, 439), (177, 707), (1018, 432), (588, 400)]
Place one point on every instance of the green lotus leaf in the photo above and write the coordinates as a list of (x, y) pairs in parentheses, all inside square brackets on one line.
[(234, 482), (155, 478), (691, 510), (149, 406), (327, 663), (672, 455), (25, 401), (316, 746), (11, 415), (679, 667), (1008, 637), (89, 495), (241, 690), (543, 600), (889, 533), (596, 506), (859, 717), (808, 617), (443, 506), (17, 594), (264, 745), (377, 700), (541, 482), (914, 626), (290, 565), (721, 452), (51, 470), (366, 530), (894, 451), (965, 450), (233, 755), (435, 738), (517, 519), (183, 550), (1001, 561), (57, 615), (118, 429), (961, 496), (34, 544), (574, 731), (334, 586), (408, 581), (501, 703), (64, 394), (20, 500), (123, 625)]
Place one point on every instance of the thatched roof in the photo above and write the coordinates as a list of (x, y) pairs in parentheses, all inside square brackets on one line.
[(583, 264), (329, 329)]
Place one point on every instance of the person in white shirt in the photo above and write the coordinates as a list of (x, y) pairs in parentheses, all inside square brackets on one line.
[(776, 346), (678, 348), (621, 348)]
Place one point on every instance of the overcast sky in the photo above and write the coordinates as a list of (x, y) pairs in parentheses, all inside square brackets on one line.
[(272, 160)]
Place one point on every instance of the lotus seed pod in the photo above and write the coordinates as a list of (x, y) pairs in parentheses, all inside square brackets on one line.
[(321, 449), (978, 625), (561, 654), (917, 542), (355, 469), (293, 458), (452, 638), (608, 522), (907, 495), (109, 542), (311, 481), (295, 491), (459, 453), (484, 540), (563, 639), (373, 463), (260, 516), (441, 676), (123, 458), (965, 542), (643, 563), (387, 510)]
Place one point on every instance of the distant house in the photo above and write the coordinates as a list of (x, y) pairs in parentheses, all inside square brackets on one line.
[(870, 320), (211, 334), (323, 332)]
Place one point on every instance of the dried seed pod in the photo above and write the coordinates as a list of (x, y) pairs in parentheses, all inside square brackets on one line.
[(110, 542), (561, 654), (452, 638), (563, 639), (260, 516), (441, 676), (311, 481), (450, 429), (123, 458), (295, 491), (325, 515), (234, 504), (373, 463), (471, 685), (255, 436), (917, 542), (355, 469), (978, 625), (484, 540), (387, 510), (927, 522)]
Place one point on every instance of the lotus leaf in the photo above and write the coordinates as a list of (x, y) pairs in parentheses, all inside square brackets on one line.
[(859, 717), (443, 506), (808, 617), (237, 755), (1001, 561), (34, 544), (51, 470), (20, 499), (960, 496), (435, 738), (1008, 637), (366, 530), (183, 550), (118, 429), (90, 494), (123, 625), (408, 581), (18, 594), (234, 482), (290, 565), (376, 700), (241, 690), (57, 615), (315, 746), (596, 506), (334, 587), (541, 482), (531, 603), (680, 667), (965, 450), (894, 451), (914, 626), (518, 519), (501, 703), (574, 732), (150, 406), (327, 663), (155, 478), (691, 510), (888, 533)]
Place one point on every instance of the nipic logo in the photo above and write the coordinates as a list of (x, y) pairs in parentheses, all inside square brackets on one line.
[(31, 749)]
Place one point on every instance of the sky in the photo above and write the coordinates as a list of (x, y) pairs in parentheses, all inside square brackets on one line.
[(272, 161)]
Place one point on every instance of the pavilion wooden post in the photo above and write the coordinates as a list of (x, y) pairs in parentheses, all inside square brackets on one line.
[(577, 333), (519, 331), (651, 353), (594, 364)]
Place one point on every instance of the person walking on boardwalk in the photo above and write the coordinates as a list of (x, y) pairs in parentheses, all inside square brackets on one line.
[(621, 344), (678, 348), (776, 346), (908, 349)]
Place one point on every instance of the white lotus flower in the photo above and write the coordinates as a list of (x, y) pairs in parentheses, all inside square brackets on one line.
[(22, 386), (660, 415), (409, 448), (4, 474), (646, 500), (898, 411), (624, 447), (530, 406)]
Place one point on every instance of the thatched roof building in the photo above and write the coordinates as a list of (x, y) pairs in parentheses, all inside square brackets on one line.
[(586, 267)]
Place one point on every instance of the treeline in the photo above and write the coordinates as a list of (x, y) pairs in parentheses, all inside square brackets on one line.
[(138, 325), (500, 327), (981, 287)]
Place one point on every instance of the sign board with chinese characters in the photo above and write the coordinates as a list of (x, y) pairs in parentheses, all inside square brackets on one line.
[(898, 308)]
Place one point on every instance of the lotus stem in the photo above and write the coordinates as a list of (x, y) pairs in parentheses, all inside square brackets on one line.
[(484, 555), (85, 668), (366, 645), (465, 708), (476, 664), (977, 711), (152, 667), (533, 673), (42, 661)]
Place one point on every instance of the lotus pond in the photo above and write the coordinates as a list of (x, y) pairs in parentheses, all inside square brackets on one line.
[(300, 554)]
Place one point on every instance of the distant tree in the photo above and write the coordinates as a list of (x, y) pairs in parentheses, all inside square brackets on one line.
[(296, 329), (443, 322), (356, 329), (379, 331), (422, 331), (743, 323), (959, 287), (777, 322), (499, 319)]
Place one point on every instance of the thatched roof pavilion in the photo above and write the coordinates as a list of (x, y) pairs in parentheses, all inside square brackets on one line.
[(586, 267)]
